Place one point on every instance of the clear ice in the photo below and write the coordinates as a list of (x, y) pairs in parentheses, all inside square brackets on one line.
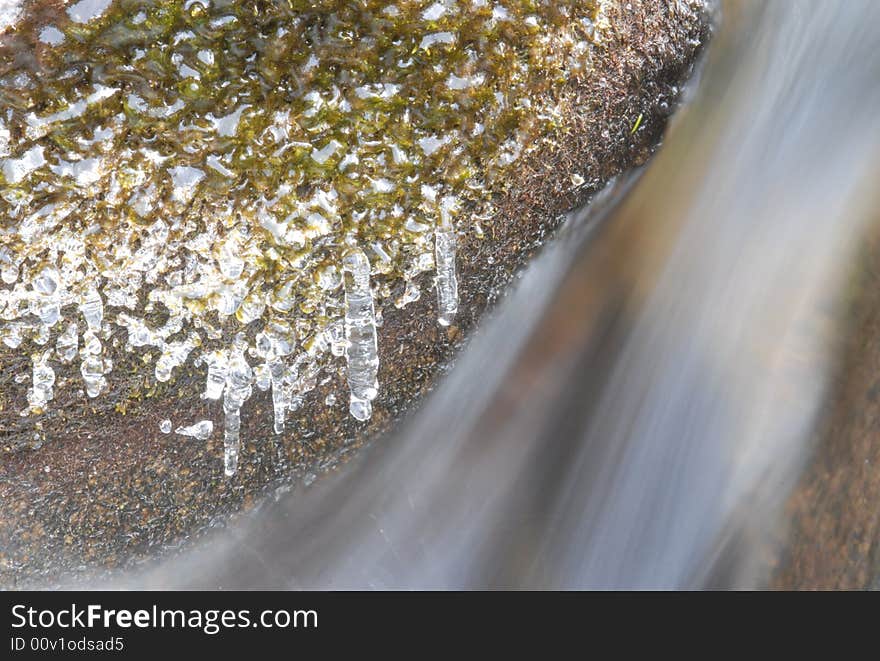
[(361, 352), (92, 370), (43, 381), (239, 380), (273, 346), (216, 379), (201, 430), (174, 354), (92, 309), (280, 397), (446, 278), (67, 343)]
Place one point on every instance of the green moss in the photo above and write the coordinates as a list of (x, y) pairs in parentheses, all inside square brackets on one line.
[(250, 95)]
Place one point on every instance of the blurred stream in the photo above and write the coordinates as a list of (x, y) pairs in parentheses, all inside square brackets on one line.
[(637, 410)]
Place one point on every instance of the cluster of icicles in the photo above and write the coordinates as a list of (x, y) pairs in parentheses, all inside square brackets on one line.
[(231, 378), (128, 228)]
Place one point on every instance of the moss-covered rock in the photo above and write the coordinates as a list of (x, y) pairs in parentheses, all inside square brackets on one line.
[(187, 170)]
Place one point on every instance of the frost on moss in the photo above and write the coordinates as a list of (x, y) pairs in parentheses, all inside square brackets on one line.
[(201, 169)]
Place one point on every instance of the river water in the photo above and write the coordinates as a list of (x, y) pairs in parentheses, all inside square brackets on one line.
[(640, 406)]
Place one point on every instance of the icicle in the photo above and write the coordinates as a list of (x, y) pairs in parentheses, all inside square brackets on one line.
[(91, 343), (67, 343), (262, 380), (446, 279), (272, 347), (280, 399), (239, 380), (216, 381), (361, 352), (92, 309), (92, 369), (200, 430), (43, 381), (12, 335)]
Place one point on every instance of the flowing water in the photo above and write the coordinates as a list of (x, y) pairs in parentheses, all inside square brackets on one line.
[(638, 409)]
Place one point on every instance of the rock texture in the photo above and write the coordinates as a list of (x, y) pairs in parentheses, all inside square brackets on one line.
[(104, 488)]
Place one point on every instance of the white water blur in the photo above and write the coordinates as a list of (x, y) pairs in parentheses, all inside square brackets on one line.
[(637, 410)]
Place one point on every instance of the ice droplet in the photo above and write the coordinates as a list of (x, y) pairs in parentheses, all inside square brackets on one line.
[(230, 264), (49, 312), (328, 278), (9, 273), (411, 293), (360, 409), (91, 344), (261, 377), (362, 354), (13, 337), (46, 282), (92, 370), (200, 430)]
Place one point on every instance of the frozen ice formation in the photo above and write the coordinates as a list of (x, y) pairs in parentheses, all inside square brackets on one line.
[(446, 278), (216, 379), (361, 350), (201, 430), (239, 380), (42, 383), (92, 309), (252, 212), (67, 343)]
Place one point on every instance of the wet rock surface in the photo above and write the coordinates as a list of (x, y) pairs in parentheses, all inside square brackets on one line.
[(101, 487), (830, 542)]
